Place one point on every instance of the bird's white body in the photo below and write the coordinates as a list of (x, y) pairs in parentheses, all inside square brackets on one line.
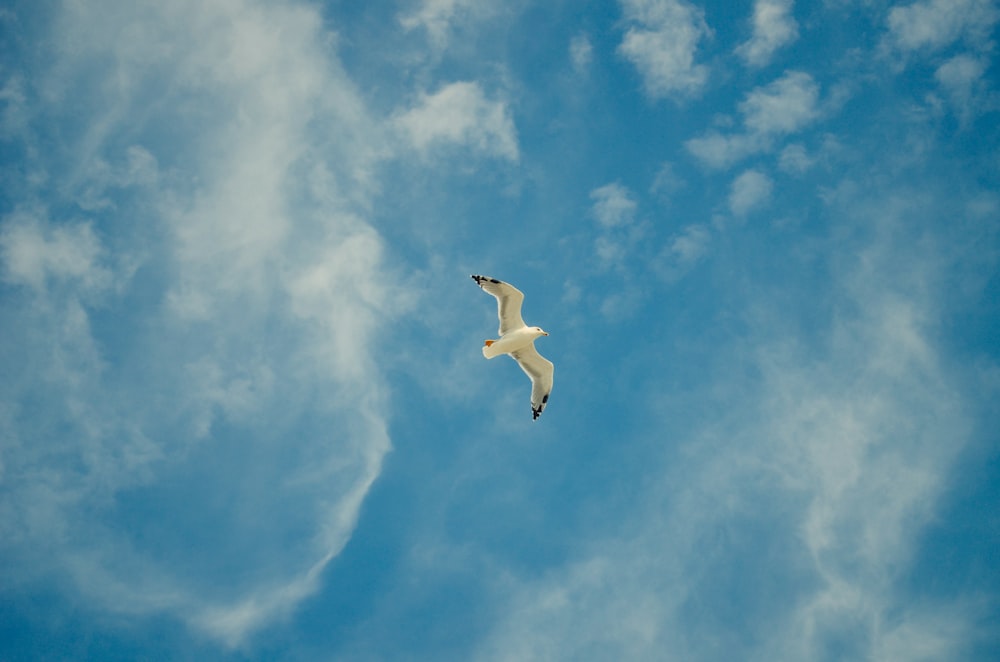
[(512, 341)]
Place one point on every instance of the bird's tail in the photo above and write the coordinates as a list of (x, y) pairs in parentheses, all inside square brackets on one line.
[(489, 351)]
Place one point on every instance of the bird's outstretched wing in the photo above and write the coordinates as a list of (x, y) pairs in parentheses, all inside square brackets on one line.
[(509, 300), (541, 371)]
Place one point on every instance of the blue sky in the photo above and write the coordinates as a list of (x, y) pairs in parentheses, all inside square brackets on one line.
[(243, 409)]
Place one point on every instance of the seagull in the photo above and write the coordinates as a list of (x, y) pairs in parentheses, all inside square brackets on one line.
[(518, 340)]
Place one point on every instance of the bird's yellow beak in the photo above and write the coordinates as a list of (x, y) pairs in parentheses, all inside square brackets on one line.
[(544, 334)]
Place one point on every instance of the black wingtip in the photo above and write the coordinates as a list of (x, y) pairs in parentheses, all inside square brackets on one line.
[(479, 279)]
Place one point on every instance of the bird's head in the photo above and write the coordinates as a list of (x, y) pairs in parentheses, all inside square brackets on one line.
[(539, 331)]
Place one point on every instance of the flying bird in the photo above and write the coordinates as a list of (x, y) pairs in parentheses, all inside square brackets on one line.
[(518, 340)]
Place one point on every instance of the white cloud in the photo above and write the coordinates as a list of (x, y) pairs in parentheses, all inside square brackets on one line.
[(263, 296), (581, 52), (613, 205), (137, 168), (691, 244), (782, 107), (661, 42), (438, 17), (720, 151), (13, 116), (614, 209), (933, 24), (35, 252), (749, 191), (773, 27), (667, 181), (460, 114), (960, 73), (609, 250), (926, 633), (961, 78), (619, 233), (432, 15), (683, 252), (318, 296), (794, 159)]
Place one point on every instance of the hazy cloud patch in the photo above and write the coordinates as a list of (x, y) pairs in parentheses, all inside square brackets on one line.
[(773, 27), (749, 191), (438, 17), (962, 79), (581, 52), (613, 205), (795, 159), (683, 251), (35, 252), (933, 24)]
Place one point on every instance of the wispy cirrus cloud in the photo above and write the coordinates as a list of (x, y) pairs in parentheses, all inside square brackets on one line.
[(244, 284), (834, 450), (661, 41)]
